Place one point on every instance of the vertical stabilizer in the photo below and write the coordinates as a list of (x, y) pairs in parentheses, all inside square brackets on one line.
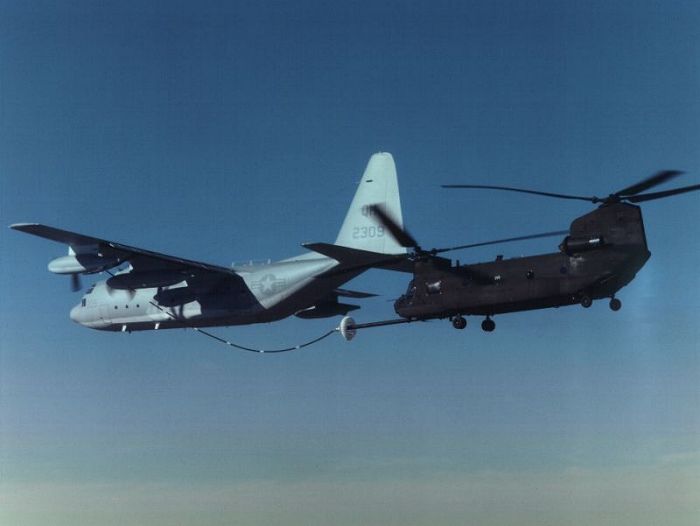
[(378, 185)]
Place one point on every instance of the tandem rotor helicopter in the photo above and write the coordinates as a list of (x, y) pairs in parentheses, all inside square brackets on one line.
[(601, 252)]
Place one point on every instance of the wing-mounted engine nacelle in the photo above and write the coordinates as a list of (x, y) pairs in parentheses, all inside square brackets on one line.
[(82, 264)]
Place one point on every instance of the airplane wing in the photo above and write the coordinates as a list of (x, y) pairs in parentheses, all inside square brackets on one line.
[(354, 259), (139, 258)]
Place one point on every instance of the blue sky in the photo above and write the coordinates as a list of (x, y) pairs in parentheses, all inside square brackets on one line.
[(227, 131)]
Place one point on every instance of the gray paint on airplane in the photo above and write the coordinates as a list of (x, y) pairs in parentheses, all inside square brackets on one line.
[(158, 291)]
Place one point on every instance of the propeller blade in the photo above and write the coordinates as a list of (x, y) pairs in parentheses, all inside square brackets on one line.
[(649, 182), (402, 236), (658, 195), (75, 284), (497, 241), (522, 191)]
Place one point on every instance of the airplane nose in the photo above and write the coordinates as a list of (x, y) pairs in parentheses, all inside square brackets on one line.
[(76, 314)]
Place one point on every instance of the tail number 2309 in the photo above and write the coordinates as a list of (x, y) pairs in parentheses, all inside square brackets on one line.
[(364, 232)]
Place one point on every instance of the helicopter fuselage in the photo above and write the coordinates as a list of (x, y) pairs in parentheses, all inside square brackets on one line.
[(602, 253)]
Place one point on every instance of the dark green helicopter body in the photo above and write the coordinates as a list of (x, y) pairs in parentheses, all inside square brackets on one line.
[(602, 252)]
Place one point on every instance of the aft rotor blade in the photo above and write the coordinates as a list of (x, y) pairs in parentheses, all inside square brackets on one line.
[(402, 236), (659, 195), (649, 182), (522, 191), (497, 241)]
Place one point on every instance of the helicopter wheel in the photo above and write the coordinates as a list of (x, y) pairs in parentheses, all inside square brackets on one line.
[(458, 322), (586, 301), (615, 304), (488, 325)]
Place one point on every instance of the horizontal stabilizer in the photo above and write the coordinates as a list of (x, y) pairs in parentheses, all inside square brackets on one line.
[(326, 310), (353, 294), (355, 259)]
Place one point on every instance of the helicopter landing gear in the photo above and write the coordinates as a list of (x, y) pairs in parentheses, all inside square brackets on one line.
[(458, 322), (488, 325), (586, 301), (615, 304)]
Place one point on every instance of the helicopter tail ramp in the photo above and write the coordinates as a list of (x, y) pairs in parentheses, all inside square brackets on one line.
[(378, 186)]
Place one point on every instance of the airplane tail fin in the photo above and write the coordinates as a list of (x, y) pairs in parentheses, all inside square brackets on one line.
[(379, 185)]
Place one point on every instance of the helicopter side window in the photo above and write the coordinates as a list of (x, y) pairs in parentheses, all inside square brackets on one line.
[(434, 288)]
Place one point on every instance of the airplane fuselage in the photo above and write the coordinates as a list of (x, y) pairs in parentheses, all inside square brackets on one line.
[(261, 293)]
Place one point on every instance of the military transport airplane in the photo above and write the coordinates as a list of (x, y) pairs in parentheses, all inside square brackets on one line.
[(158, 291)]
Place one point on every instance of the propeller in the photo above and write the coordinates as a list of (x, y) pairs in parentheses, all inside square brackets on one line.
[(400, 234), (75, 284), (631, 193), (405, 239)]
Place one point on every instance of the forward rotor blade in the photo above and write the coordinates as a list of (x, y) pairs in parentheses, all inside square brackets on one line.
[(659, 195), (497, 241), (400, 235), (75, 284), (521, 190), (649, 182)]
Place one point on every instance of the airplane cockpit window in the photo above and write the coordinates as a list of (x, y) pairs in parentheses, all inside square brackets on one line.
[(92, 287), (83, 302)]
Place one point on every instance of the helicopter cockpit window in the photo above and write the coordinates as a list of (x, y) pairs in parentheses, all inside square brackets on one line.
[(434, 288)]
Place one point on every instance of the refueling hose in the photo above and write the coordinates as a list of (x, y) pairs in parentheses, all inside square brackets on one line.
[(249, 349), (242, 347)]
